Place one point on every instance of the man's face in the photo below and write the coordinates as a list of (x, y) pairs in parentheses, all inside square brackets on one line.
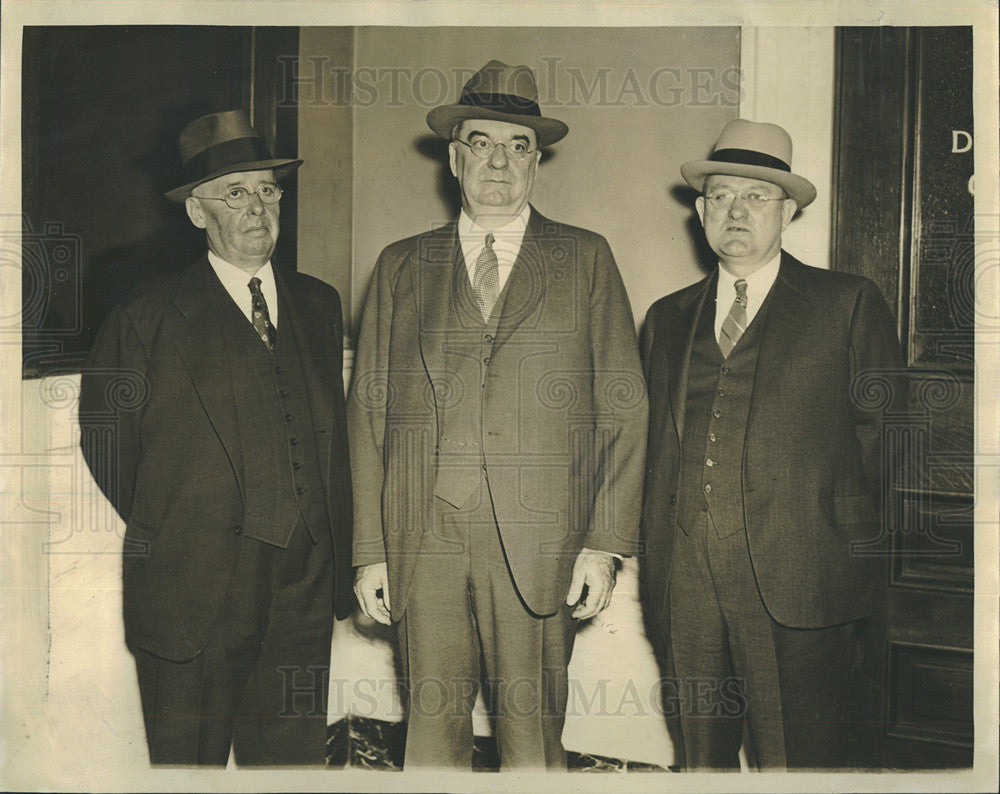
[(243, 237), (498, 184), (744, 233)]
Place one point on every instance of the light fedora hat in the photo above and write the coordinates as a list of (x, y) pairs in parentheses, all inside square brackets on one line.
[(755, 150), (501, 93), (219, 144)]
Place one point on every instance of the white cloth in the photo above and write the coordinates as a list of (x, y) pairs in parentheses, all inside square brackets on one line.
[(237, 281), (759, 283), (506, 243)]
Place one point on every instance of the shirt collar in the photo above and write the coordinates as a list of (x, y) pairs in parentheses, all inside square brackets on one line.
[(471, 232), (758, 282)]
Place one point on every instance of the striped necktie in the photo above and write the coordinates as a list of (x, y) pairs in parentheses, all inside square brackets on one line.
[(736, 321), (486, 280)]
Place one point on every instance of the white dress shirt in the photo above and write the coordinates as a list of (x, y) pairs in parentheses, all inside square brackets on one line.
[(237, 284), (759, 283), (506, 244)]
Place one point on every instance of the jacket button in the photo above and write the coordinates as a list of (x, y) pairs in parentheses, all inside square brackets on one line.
[(716, 413), (277, 370), (484, 467), (288, 417), (712, 437), (293, 441), (725, 370), (709, 462), (708, 488), (488, 337), (720, 391), (486, 361), (282, 393), (238, 529), (300, 490), (297, 466), (673, 499)]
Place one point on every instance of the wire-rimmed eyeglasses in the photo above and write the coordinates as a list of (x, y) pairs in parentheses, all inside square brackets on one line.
[(238, 197), (483, 148)]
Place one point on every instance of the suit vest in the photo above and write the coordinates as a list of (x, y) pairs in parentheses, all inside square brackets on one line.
[(467, 350), (281, 472), (715, 424)]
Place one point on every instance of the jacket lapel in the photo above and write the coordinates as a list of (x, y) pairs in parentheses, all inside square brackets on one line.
[(526, 285), (319, 365), (439, 263), (679, 355), (201, 345), (788, 315)]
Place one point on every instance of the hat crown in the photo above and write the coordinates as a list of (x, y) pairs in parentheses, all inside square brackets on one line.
[(496, 77), (753, 136), (213, 129)]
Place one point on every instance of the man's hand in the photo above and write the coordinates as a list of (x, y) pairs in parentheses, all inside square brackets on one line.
[(596, 570), (371, 587)]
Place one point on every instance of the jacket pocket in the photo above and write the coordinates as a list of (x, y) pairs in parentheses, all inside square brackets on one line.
[(849, 510)]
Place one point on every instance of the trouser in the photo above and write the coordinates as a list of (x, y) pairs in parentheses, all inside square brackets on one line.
[(260, 684), (735, 664), (464, 620)]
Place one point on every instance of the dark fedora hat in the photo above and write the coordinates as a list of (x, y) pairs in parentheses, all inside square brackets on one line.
[(501, 93), (755, 150), (223, 143)]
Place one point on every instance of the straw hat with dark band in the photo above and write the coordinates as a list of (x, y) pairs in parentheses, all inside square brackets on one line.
[(223, 143), (754, 150)]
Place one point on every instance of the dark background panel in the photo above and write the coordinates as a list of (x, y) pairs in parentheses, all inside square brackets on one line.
[(102, 109)]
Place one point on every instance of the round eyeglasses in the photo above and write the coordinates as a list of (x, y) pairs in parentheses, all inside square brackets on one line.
[(238, 197), (483, 148), (754, 199)]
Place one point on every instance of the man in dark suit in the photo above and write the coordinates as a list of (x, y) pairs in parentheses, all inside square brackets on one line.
[(228, 462), (764, 472), (497, 416)]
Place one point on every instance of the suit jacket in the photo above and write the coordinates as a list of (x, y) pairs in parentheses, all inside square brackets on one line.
[(829, 367), (563, 407), (160, 434)]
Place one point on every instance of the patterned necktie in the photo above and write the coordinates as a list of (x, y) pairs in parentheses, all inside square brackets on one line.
[(261, 319), (736, 321), (486, 281)]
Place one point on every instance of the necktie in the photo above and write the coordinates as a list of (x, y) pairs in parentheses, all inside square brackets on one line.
[(486, 281), (261, 319), (736, 321)]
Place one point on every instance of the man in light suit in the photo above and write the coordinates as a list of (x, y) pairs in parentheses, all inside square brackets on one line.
[(212, 416), (764, 472), (497, 416)]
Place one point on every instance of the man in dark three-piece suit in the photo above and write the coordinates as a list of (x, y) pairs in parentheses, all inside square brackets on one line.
[(228, 462), (764, 470), (497, 416)]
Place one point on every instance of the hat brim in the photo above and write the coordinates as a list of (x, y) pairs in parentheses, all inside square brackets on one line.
[(798, 188), (443, 120), (281, 168)]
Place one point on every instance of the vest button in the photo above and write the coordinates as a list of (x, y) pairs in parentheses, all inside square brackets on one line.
[(721, 392), (716, 413), (708, 488), (712, 437), (288, 417), (709, 462), (297, 466), (488, 337), (293, 441), (673, 499), (486, 361), (277, 370), (282, 393), (238, 529), (300, 490), (725, 369)]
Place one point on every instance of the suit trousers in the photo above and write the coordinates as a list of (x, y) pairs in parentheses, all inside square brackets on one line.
[(736, 664), (464, 621), (260, 685)]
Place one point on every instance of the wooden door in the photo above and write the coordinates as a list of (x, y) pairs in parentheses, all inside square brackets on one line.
[(904, 217)]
